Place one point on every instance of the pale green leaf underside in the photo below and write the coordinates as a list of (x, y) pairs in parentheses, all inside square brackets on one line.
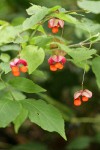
[(34, 19), (4, 57), (93, 6), (5, 67), (33, 56), (66, 17), (81, 54)]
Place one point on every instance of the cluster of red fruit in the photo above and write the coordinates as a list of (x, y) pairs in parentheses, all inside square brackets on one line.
[(82, 96), (17, 66), (56, 62), (54, 24)]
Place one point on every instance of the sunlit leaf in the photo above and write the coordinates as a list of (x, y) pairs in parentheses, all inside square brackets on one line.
[(10, 47), (41, 41), (81, 54), (4, 57), (5, 67), (66, 17), (34, 19), (33, 56), (92, 6)]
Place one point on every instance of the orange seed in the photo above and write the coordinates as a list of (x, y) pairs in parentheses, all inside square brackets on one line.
[(85, 99), (17, 73), (59, 66), (15, 68), (53, 68), (77, 102), (54, 29), (23, 69)]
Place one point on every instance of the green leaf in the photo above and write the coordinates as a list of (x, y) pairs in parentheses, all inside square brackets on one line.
[(20, 119), (34, 9), (80, 54), (63, 108), (41, 41), (17, 20), (22, 38), (45, 115), (93, 6), (96, 69), (79, 143), (5, 94), (66, 17), (82, 64), (34, 19), (62, 47), (9, 110), (39, 28), (18, 95), (10, 47), (89, 26), (4, 57), (25, 85), (2, 85), (40, 75), (5, 67), (54, 8), (33, 56), (8, 34), (95, 38)]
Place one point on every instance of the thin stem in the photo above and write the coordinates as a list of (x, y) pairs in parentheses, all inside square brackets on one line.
[(62, 32), (45, 19), (34, 32), (83, 78), (81, 43), (75, 11), (85, 120)]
